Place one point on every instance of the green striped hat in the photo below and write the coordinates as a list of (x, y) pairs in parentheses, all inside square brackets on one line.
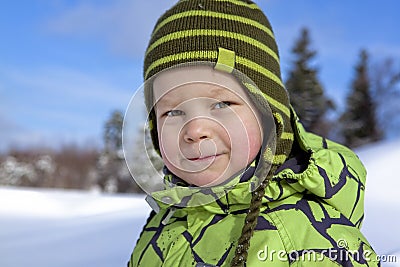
[(229, 33)]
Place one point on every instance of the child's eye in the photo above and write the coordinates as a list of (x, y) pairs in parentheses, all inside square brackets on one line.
[(174, 112), (223, 104)]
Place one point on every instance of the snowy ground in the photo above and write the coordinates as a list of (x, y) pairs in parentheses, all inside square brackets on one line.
[(382, 201), (44, 228)]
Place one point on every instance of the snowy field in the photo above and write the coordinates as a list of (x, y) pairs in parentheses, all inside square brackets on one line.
[(45, 228)]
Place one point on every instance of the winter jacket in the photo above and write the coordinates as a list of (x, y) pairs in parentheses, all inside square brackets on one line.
[(310, 216)]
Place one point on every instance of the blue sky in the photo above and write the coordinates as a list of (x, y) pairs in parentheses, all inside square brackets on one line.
[(66, 64)]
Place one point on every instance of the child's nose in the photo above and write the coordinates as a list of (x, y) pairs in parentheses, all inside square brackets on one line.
[(197, 130)]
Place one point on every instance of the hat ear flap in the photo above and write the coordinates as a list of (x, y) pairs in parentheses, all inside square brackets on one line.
[(152, 124), (279, 124), (268, 154)]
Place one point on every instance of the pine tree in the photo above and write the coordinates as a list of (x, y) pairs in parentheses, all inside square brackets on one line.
[(305, 91), (385, 83), (358, 122)]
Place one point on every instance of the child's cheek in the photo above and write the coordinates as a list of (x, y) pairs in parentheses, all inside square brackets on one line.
[(255, 141), (168, 141), (244, 145)]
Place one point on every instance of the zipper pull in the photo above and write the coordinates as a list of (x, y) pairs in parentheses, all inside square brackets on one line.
[(171, 212)]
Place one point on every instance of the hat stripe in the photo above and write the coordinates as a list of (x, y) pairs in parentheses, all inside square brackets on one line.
[(203, 13), (287, 135), (277, 104), (279, 159), (214, 33), (252, 65), (212, 55), (283, 108), (273, 158), (202, 54)]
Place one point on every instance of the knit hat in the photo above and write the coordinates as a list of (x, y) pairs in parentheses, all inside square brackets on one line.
[(231, 34), (225, 32)]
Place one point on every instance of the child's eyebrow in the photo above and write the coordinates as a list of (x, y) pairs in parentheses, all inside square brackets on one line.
[(215, 91), (166, 101), (219, 92)]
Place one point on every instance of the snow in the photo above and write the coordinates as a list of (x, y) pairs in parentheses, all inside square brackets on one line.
[(382, 202), (43, 228), (46, 228)]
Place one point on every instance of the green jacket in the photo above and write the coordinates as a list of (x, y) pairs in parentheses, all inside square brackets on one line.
[(311, 215)]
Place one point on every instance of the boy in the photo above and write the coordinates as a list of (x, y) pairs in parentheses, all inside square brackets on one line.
[(245, 185)]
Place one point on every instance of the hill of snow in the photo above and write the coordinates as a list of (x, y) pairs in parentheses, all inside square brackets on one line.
[(47, 228)]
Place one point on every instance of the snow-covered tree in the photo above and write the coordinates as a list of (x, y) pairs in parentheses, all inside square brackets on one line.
[(113, 175)]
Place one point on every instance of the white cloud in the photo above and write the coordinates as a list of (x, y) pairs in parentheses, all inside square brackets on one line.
[(124, 25)]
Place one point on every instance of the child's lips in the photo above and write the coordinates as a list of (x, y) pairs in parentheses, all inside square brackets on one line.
[(204, 158)]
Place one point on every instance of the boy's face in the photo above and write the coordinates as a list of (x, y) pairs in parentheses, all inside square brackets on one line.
[(207, 126)]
